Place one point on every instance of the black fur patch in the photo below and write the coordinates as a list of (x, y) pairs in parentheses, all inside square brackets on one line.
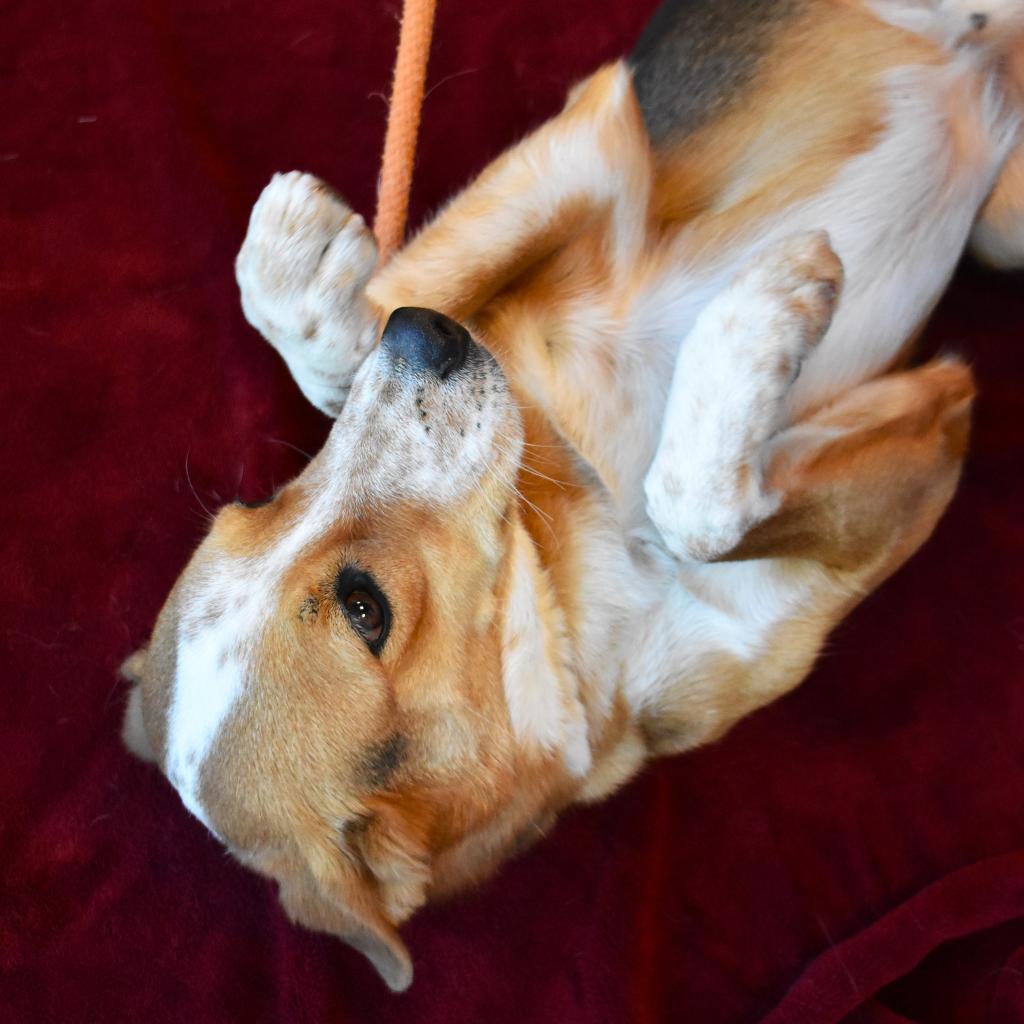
[(696, 57), (382, 760)]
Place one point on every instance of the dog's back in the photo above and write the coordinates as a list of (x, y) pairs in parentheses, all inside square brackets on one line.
[(696, 58)]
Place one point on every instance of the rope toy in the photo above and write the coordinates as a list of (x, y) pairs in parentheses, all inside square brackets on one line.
[(403, 125)]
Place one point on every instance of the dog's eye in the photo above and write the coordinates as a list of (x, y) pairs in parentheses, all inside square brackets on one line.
[(365, 607), (365, 614)]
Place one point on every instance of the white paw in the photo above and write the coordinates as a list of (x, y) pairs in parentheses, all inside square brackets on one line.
[(704, 487), (302, 271)]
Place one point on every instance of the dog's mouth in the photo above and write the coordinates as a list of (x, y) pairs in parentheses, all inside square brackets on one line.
[(429, 416)]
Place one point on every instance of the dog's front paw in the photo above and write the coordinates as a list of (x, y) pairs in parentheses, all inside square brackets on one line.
[(704, 488), (302, 271)]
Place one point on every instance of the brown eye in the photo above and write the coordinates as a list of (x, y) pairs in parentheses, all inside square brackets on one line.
[(365, 614), (365, 607)]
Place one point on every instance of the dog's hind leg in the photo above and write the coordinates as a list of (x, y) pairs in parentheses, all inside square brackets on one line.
[(998, 236), (779, 529), (858, 486)]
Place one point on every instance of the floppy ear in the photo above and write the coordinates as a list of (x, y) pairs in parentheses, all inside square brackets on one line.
[(360, 888), (133, 730), (338, 900)]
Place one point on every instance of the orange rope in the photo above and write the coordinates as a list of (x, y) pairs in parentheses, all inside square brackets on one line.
[(403, 125)]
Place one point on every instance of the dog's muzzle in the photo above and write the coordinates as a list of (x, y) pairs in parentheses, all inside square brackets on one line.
[(425, 341)]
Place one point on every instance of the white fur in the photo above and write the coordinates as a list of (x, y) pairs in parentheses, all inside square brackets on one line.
[(302, 273), (732, 376), (216, 635), (889, 287), (606, 605), (952, 23), (431, 442), (208, 683), (729, 608), (133, 730)]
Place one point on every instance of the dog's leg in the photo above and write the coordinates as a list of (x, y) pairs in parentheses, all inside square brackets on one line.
[(859, 486), (305, 266), (998, 235), (592, 160), (705, 486), (302, 272)]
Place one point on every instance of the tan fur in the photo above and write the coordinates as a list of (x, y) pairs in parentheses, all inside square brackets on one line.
[(367, 786), (793, 132), (859, 501)]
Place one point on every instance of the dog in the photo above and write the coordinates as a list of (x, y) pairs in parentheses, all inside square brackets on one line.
[(619, 437)]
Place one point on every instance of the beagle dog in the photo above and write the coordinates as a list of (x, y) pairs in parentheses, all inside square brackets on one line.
[(619, 437)]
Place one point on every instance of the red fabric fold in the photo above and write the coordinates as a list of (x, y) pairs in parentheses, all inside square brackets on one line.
[(845, 976)]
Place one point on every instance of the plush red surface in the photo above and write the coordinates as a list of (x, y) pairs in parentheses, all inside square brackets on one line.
[(855, 852)]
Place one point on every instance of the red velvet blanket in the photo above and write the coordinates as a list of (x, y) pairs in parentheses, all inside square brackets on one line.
[(854, 853)]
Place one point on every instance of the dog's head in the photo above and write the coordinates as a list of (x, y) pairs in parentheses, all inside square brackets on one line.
[(327, 685)]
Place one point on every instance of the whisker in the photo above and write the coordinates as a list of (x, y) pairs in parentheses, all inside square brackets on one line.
[(562, 484), (535, 444), (539, 511), (524, 467), (188, 477), (448, 78), (288, 444)]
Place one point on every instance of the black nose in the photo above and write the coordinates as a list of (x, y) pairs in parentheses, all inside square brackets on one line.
[(426, 340)]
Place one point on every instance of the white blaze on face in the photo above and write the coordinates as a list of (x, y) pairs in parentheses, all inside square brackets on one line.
[(219, 626), (208, 683)]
